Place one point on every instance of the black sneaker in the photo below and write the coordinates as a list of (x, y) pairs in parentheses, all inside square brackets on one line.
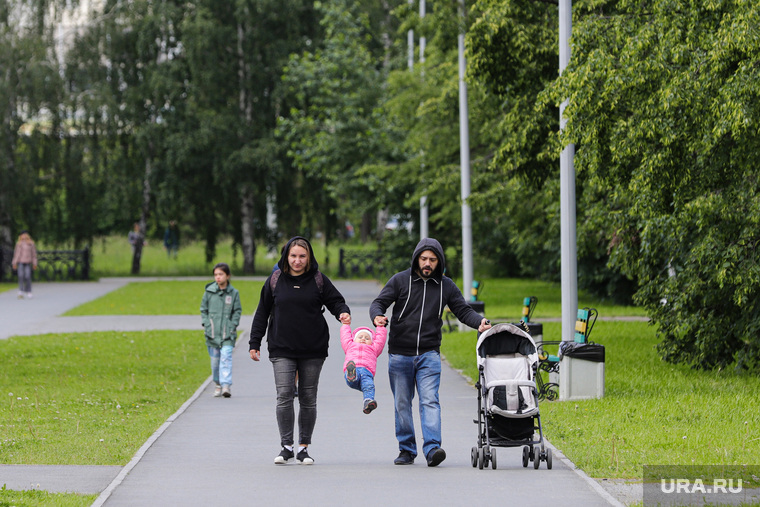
[(304, 458), (404, 458), (369, 406), (285, 456), (351, 371), (435, 457)]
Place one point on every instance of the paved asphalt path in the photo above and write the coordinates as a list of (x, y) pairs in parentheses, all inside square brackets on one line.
[(217, 451)]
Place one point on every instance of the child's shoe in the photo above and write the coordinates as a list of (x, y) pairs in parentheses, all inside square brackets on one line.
[(369, 406), (351, 371)]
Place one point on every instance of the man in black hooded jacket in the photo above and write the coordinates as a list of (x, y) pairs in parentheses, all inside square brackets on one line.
[(419, 295)]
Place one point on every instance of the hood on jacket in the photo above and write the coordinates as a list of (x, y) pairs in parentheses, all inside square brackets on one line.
[(313, 266), (434, 246), (364, 329), (214, 287)]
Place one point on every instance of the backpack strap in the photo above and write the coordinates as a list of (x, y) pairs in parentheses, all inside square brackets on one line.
[(320, 281), (273, 279)]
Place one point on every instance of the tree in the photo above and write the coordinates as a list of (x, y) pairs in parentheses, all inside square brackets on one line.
[(29, 87), (664, 109), (335, 132)]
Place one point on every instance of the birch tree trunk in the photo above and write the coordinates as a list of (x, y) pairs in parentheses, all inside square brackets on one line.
[(137, 256), (247, 195)]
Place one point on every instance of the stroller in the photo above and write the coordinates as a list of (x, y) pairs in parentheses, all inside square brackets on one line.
[(508, 413)]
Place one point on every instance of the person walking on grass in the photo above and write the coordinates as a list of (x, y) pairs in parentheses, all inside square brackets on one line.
[(419, 295), (220, 316), (24, 261), (362, 348), (171, 239), (290, 313)]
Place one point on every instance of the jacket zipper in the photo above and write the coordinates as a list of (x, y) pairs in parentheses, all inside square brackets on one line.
[(422, 313), (224, 321)]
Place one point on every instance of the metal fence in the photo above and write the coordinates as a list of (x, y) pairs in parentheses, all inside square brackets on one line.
[(52, 265), (361, 264)]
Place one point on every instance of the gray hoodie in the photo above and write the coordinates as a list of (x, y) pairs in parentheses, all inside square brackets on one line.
[(418, 305)]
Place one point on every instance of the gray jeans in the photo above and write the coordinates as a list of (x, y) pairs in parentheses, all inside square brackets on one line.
[(285, 382), (24, 277)]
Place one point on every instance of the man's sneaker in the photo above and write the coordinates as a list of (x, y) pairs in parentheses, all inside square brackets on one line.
[(226, 392), (217, 391), (29, 295), (21, 295), (304, 458), (285, 456), (351, 371), (435, 457), (404, 458), (369, 406)]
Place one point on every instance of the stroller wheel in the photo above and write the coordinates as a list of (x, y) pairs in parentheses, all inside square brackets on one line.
[(525, 456), (493, 459), (474, 457), (486, 455), (536, 460), (481, 459), (549, 459)]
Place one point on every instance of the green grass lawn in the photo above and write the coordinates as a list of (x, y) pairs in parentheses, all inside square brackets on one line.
[(7, 286), (112, 256), (164, 298), (503, 300), (92, 398), (34, 498), (653, 413)]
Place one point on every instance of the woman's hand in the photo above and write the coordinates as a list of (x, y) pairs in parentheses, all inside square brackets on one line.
[(345, 318), (255, 354)]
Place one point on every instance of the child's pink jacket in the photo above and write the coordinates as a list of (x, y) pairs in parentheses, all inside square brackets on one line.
[(360, 353)]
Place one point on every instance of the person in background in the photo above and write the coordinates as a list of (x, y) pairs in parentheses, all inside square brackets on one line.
[(418, 295), (171, 239), (290, 313), (24, 261), (220, 315), (134, 235)]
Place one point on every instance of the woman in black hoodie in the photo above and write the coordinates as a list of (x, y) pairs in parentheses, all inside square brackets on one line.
[(290, 307)]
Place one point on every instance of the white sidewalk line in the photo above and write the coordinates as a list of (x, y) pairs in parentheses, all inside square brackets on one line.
[(101, 499), (580, 473)]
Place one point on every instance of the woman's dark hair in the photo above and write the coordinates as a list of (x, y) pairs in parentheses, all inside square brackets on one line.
[(223, 266)]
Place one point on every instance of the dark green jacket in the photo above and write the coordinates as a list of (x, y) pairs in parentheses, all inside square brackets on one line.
[(220, 314)]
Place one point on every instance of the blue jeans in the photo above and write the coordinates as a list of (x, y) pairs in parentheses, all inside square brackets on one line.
[(364, 382), (221, 364), (285, 383), (424, 373), (24, 271)]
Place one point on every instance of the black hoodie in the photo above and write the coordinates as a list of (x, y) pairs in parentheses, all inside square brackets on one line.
[(293, 314), (419, 303)]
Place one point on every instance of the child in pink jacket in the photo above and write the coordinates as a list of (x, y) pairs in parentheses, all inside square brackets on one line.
[(362, 348)]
